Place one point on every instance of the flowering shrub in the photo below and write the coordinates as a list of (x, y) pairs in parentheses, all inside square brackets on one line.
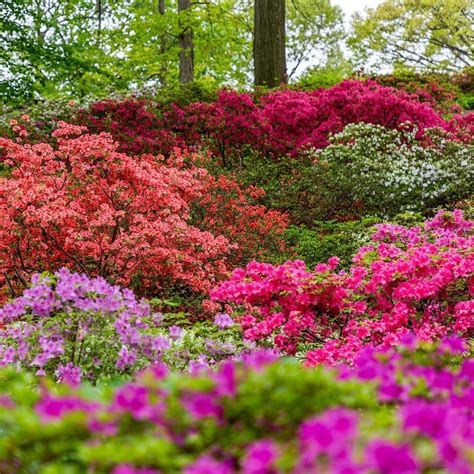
[(416, 280), (438, 90), (368, 169), (74, 327), (257, 415), (71, 326), (137, 129), (84, 205), (274, 124), (228, 126)]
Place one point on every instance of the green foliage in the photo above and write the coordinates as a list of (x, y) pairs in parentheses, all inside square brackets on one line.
[(326, 239), (83, 48)]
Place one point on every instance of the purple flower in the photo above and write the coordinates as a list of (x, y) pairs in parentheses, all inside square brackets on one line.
[(133, 399), (260, 457), (175, 331), (126, 358), (69, 374), (386, 457), (223, 321), (160, 343), (201, 405), (51, 407), (207, 465)]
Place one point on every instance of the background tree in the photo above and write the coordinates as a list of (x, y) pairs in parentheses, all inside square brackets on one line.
[(186, 53), (314, 34), (422, 34), (269, 51)]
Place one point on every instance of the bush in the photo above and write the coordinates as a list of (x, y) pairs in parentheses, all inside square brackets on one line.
[(257, 415), (140, 221), (73, 327), (415, 279), (368, 169), (328, 238), (86, 206), (440, 91)]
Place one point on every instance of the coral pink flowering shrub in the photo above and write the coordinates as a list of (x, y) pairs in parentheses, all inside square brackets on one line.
[(86, 206), (257, 415), (416, 280)]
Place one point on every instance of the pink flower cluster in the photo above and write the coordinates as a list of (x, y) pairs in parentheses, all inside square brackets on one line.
[(409, 280), (275, 124)]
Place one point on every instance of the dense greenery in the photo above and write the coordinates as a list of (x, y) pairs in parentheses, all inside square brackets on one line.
[(199, 276)]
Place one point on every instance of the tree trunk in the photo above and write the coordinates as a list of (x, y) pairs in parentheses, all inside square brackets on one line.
[(161, 7), (163, 45), (269, 43), (186, 62)]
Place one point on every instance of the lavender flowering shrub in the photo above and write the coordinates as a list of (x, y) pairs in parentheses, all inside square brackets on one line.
[(74, 327), (395, 411), (71, 326)]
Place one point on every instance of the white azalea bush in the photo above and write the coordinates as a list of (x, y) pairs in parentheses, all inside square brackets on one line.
[(369, 169)]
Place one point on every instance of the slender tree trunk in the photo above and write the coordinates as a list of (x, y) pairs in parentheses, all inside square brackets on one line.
[(98, 9), (186, 62), (163, 45), (269, 43), (161, 7)]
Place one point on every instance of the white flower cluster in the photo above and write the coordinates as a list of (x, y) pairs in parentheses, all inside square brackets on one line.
[(391, 171)]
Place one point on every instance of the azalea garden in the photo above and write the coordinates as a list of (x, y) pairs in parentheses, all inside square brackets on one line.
[(208, 272)]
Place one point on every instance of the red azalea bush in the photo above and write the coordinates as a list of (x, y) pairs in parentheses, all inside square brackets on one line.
[(84, 205), (227, 208), (417, 280), (132, 123), (280, 122), (228, 126)]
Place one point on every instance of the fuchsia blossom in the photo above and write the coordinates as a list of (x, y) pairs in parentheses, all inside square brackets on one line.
[(432, 405), (259, 458), (208, 465)]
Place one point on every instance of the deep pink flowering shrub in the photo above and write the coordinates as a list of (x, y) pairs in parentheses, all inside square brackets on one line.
[(409, 280), (300, 120), (229, 126), (272, 125), (132, 124), (258, 415)]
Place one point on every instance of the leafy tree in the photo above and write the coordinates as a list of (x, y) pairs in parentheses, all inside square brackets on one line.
[(49, 48), (434, 34), (314, 33)]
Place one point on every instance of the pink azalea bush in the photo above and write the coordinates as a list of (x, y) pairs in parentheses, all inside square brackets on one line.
[(272, 125), (256, 415), (408, 280)]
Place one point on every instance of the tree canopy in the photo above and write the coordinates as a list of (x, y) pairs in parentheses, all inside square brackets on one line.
[(422, 34)]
